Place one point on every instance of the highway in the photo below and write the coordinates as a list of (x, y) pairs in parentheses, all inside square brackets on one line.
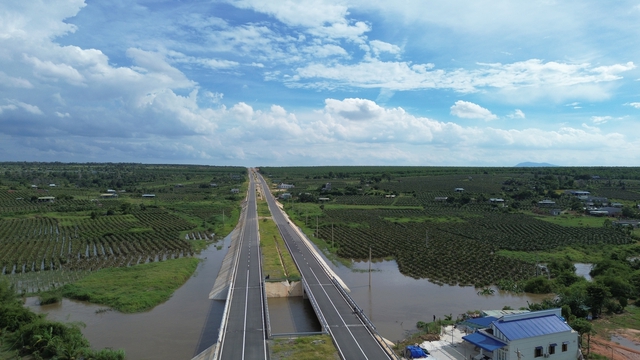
[(352, 338), (244, 333)]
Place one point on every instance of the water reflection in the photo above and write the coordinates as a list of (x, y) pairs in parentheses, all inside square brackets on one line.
[(396, 302), (583, 270), (291, 315), (188, 323), (176, 329)]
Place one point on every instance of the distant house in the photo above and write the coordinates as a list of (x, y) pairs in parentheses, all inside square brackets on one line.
[(179, 185), (111, 191), (213, 185), (546, 202), (555, 212), (579, 193), (389, 196), (327, 187), (52, 185), (441, 198), (537, 334), (627, 223), (46, 199), (235, 191), (34, 186), (109, 196), (496, 200), (285, 186), (148, 195), (285, 196), (605, 211), (595, 177), (324, 199), (616, 205), (458, 189)]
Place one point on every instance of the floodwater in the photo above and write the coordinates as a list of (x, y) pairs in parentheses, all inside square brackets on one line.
[(188, 322), (178, 329), (583, 270), (625, 342), (395, 302), (292, 315)]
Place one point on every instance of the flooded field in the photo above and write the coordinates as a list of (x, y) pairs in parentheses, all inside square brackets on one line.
[(177, 329), (188, 323), (583, 270), (394, 302)]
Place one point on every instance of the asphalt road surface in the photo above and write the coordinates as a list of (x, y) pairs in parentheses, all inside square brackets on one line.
[(244, 336), (351, 336)]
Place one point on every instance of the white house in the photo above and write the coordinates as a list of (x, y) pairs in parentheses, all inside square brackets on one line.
[(285, 186), (539, 334)]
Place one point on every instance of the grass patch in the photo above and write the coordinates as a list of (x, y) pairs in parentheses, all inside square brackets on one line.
[(50, 297), (263, 209), (440, 219), (369, 207), (276, 259), (574, 220), (199, 245), (303, 348), (133, 289), (575, 254), (140, 230), (607, 324)]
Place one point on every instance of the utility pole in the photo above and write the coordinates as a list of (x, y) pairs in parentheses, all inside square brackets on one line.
[(369, 266), (317, 231), (333, 244)]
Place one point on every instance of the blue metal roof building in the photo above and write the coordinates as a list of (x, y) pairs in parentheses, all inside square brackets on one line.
[(536, 334), (526, 328)]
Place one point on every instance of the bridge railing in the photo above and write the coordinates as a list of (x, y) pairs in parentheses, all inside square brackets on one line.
[(363, 317)]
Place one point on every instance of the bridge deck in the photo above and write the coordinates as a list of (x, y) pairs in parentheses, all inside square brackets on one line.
[(352, 338)]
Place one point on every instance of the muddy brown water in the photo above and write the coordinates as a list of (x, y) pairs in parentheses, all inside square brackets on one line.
[(181, 327), (188, 322)]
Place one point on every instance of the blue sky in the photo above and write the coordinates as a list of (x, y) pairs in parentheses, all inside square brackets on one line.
[(319, 82)]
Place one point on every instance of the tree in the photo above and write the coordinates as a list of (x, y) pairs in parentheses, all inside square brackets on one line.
[(597, 294)]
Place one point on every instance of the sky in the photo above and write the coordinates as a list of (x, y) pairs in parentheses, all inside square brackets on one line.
[(321, 82)]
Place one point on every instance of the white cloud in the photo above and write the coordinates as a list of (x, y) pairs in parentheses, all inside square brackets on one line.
[(469, 110), (15, 82), (50, 71), (61, 115), (180, 58), (7, 107), (600, 119), (635, 104), (317, 17), (537, 78), (380, 46), (33, 109), (517, 114)]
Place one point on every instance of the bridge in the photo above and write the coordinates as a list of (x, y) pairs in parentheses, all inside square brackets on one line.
[(243, 333)]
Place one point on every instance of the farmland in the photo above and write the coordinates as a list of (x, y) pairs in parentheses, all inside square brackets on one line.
[(466, 237), (60, 222)]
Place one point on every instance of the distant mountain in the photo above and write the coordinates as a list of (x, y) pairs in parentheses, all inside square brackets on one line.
[(533, 164)]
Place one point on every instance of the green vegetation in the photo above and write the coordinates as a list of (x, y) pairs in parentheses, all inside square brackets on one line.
[(426, 331), (497, 231), (27, 335), (277, 262), (99, 218), (303, 348), (578, 220), (135, 288)]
